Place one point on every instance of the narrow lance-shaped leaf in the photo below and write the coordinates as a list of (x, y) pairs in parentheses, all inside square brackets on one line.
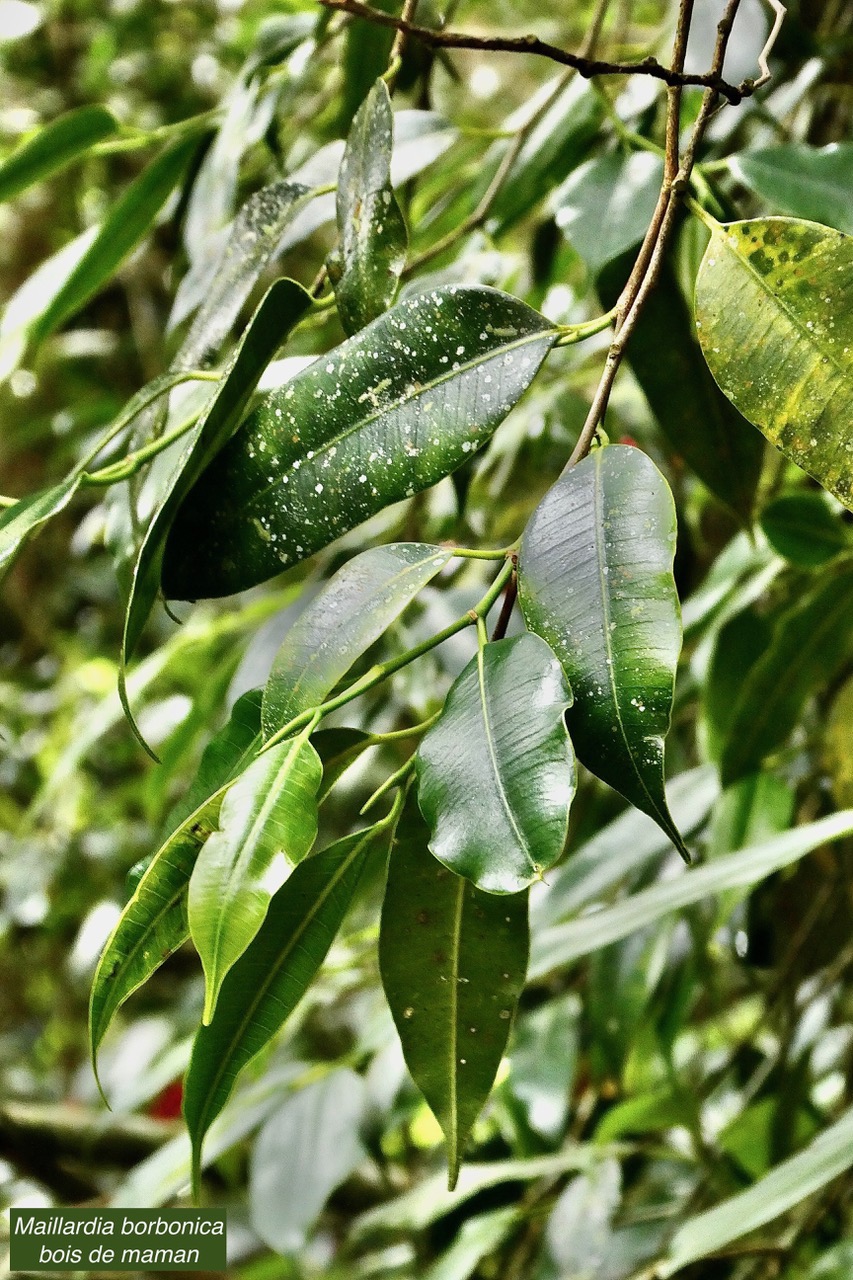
[(154, 922), (268, 981), (385, 415), (496, 774), (282, 306), (811, 642), (774, 310), (595, 581), (350, 613), (55, 146), (453, 962), (267, 824), (371, 255), (250, 246), (122, 230)]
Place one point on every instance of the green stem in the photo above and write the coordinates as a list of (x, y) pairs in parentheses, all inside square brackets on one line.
[(133, 139), (475, 553), (572, 333), (135, 407), (393, 780), (702, 214), (382, 671), (134, 461)]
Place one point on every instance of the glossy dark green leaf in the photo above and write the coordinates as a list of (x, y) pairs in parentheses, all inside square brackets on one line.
[(453, 962), (346, 618), (595, 581), (19, 522), (154, 921), (385, 415), (807, 182), (366, 267), (701, 425), (496, 773), (53, 147), (270, 978), (283, 305), (267, 824), (605, 206), (126, 224), (811, 643), (774, 310), (804, 529)]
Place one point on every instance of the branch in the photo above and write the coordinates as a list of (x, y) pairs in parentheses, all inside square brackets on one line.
[(585, 66), (650, 259)]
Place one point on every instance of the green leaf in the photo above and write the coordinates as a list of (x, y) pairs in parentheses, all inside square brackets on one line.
[(453, 962), (154, 922), (807, 182), (54, 147), (268, 981), (774, 310), (565, 943), (595, 581), (307, 1149), (496, 773), (825, 1158), (282, 306), (19, 522), (552, 148), (367, 266), (351, 612), (606, 205), (700, 424), (267, 824), (121, 231), (385, 415), (811, 642), (253, 242), (804, 529), (738, 646)]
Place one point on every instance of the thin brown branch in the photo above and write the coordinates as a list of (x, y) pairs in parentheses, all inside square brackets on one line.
[(650, 259), (407, 17), (585, 66)]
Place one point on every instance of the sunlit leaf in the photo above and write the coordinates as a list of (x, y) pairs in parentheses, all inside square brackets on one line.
[(19, 522), (121, 231), (826, 1157), (565, 943), (366, 267), (774, 301), (267, 824), (385, 415), (595, 581), (453, 962), (496, 773), (154, 921), (54, 147), (268, 981), (351, 612)]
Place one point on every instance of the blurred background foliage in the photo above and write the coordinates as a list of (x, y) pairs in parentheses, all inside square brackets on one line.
[(645, 1081)]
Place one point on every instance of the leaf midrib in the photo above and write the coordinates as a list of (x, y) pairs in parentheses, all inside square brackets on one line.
[(808, 335), (610, 663), (493, 760), (272, 975)]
